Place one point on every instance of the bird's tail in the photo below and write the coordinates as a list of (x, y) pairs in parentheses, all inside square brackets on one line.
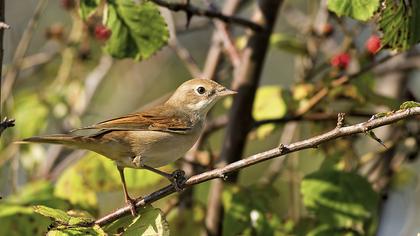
[(68, 140)]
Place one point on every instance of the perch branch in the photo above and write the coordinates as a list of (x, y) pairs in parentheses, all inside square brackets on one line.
[(195, 11), (264, 156)]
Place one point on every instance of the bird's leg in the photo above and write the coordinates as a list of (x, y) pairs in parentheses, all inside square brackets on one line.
[(131, 202), (177, 177)]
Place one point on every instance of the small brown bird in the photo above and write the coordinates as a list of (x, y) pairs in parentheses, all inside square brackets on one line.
[(152, 138)]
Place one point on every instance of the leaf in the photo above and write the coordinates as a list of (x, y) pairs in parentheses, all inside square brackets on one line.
[(287, 43), (57, 214), (399, 22), (244, 215), (340, 199), (409, 104), (149, 222), (138, 30), (69, 224), (358, 9), (62, 217), (268, 104), (87, 8)]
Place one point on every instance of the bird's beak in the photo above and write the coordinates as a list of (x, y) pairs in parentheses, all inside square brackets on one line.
[(222, 92)]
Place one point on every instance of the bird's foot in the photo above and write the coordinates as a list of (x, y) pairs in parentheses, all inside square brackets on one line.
[(178, 179), (132, 204)]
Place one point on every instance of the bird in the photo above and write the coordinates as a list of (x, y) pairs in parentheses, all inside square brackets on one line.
[(151, 138)]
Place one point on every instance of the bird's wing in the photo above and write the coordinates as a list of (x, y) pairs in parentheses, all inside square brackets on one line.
[(155, 119)]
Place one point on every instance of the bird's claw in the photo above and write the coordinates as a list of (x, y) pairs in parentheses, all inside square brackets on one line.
[(178, 179), (132, 204)]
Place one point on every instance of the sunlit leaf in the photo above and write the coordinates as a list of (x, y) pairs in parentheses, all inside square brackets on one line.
[(399, 22), (340, 199), (357, 9), (57, 214), (150, 221), (138, 29), (268, 104)]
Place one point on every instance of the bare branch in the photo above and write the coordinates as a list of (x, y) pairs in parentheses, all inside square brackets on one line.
[(264, 156), (195, 11)]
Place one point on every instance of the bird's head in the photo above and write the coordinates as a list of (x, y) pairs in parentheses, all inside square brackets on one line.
[(198, 95)]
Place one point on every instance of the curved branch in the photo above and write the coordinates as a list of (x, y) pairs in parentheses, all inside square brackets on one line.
[(192, 10), (264, 156)]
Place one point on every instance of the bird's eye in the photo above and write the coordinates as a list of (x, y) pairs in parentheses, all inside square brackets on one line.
[(201, 90)]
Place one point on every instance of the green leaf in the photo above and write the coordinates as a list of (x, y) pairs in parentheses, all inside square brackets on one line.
[(340, 199), (87, 8), (399, 21), (357, 9), (62, 217), (409, 104), (244, 215), (57, 214), (149, 222), (268, 104), (138, 29), (70, 223), (288, 43)]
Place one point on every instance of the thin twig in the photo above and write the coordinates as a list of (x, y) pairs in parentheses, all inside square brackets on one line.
[(20, 52), (3, 26), (192, 10), (182, 53), (264, 156)]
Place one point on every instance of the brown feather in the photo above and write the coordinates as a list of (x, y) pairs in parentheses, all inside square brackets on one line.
[(155, 119)]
